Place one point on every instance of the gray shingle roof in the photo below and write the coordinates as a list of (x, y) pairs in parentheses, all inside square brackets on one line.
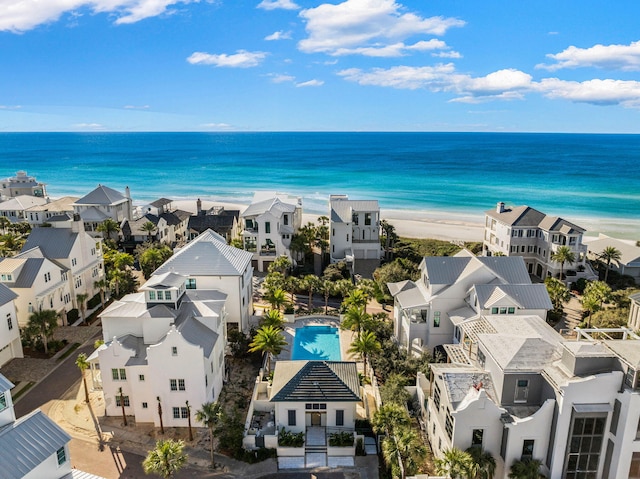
[(54, 242), (102, 195), (5, 384), (207, 255), (6, 295), (307, 381), (518, 216), (27, 443), (160, 202), (526, 296)]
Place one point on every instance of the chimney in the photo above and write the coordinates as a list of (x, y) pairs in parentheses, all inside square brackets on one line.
[(198, 207), (127, 192), (500, 207)]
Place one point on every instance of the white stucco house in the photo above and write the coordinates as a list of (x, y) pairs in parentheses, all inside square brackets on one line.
[(67, 243), (44, 213), (102, 203), (22, 184), (33, 446), (354, 229), (39, 284), (10, 344), (210, 263), (526, 232), (268, 225), (164, 346), (454, 289), (15, 209), (629, 262)]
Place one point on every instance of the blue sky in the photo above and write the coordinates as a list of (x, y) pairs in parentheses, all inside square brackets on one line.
[(350, 65)]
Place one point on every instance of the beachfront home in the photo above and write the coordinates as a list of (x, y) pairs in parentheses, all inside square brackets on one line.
[(268, 225), (522, 392), (354, 231), (526, 232), (217, 218), (102, 203), (21, 184), (210, 263), (15, 209), (67, 244), (629, 262), (454, 289), (164, 350), (51, 210), (10, 344), (170, 225), (33, 446), (39, 284)]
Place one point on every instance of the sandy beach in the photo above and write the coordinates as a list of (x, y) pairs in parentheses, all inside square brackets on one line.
[(408, 224)]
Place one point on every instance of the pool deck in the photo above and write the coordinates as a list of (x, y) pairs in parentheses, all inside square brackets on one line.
[(346, 336)]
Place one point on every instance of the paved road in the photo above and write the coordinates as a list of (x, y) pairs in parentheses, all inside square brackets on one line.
[(54, 386)]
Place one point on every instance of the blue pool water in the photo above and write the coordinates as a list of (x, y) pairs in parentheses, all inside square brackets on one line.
[(316, 343)]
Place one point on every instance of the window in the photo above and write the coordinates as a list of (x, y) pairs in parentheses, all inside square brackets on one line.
[(615, 417), (503, 311), (167, 295), (3, 402), (119, 374), (47, 277), (494, 310), (184, 413), (367, 219), (527, 449), (174, 350), (140, 377), (355, 218), (585, 444), (511, 310), (191, 283), (9, 322), (522, 390), (152, 295), (339, 417), (267, 226), (448, 424), (634, 470), (181, 385), (173, 384), (436, 397), (292, 417), (125, 400), (315, 406), (160, 295), (176, 413), (61, 455), (436, 319), (476, 437), (285, 220), (145, 405)]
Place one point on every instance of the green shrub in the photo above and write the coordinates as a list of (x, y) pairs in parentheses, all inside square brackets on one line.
[(341, 439), (290, 439), (93, 302), (360, 447), (72, 316)]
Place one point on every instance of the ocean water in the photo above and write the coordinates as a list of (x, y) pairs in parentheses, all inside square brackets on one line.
[(571, 175)]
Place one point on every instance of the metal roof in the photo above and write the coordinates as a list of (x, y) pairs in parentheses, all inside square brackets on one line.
[(342, 208), (27, 443), (629, 253), (525, 296), (21, 203), (53, 242), (314, 381), (93, 214), (102, 195), (61, 204), (6, 295), (28, 273), (261, 207), (163, 281), (511, 269), (207, 255), (445, 269)]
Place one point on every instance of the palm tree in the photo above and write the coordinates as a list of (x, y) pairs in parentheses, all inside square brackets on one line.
[(526, 469), (149, 227), (407, 447), (356, 298), (277, 298), (390, 236), (355, 319), (558, 293), (484, 464), (43, 323), (4, 224), (272, 317), (270, 341), (327, 288), (563, 255), (165, 459), (281, 264), (389, 417), (107, 227), (117, 277), (595, 293), (83, 365), (609, 254), (365, 345), (455, 463), (310, 283), (81, 299), (210, 415), (100, 285)]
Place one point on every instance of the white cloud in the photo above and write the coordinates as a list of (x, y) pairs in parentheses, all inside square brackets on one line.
[(22, 15), (616, 57), (241, 59), (89, 126), (279, 35), (596, 92), (278, 78), (134, 107), (451, 54), (366, 27), (392, 50), (217, 126), (10, 107), (278, 4), (310, 83)]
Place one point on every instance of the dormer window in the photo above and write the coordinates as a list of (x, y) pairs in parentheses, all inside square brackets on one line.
[(152, 295), (160, 295)]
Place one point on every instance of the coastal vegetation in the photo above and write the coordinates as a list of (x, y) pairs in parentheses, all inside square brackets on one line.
[(165, 459)]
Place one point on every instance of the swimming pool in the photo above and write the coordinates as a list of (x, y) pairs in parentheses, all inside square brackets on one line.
[(316, 343)]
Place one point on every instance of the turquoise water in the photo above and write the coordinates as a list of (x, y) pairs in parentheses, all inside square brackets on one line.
[(571, 175), (316, 343)]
